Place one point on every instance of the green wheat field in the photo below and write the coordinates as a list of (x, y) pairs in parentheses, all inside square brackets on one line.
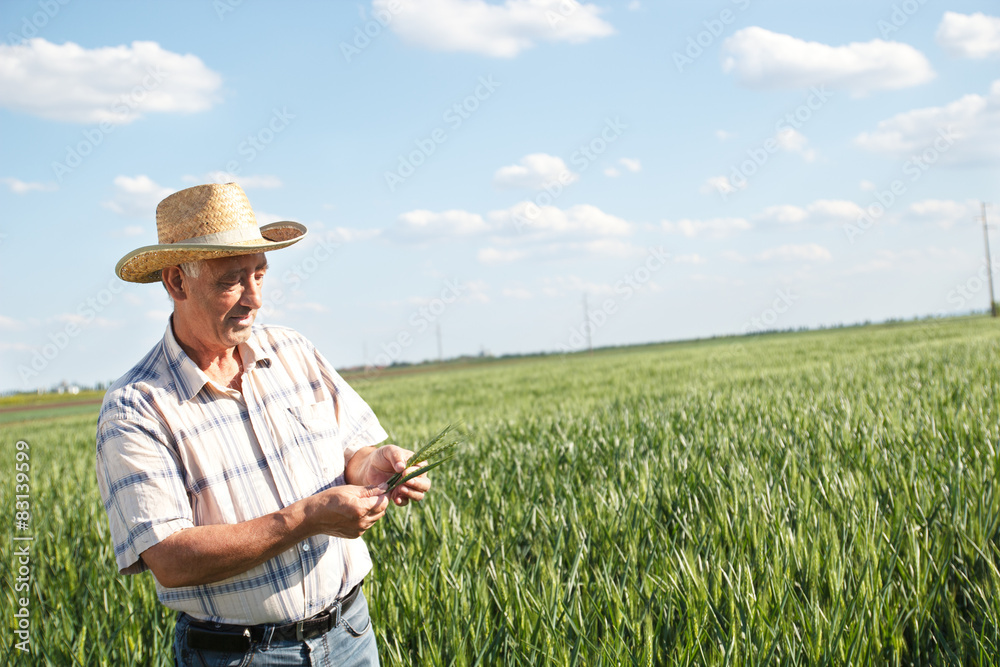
[(813, 498)]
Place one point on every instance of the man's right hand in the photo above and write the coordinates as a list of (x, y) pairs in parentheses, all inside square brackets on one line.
[(346, 511)]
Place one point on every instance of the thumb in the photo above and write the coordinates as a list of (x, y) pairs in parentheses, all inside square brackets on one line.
[(374, 490)]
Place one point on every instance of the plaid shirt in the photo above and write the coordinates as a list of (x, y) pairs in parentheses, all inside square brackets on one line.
[(175, 450)]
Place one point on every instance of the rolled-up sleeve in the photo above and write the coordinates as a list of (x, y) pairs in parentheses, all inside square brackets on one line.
[(141, 482)]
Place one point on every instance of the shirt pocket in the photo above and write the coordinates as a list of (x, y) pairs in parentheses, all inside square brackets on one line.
[(313, 451)]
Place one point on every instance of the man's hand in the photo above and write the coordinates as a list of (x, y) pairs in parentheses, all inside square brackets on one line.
[(206, 554), (371, 466), (347, 511)]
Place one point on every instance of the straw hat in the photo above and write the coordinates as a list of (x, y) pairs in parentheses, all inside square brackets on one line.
[(203, 222)]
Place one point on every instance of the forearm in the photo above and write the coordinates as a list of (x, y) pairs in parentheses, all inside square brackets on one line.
[(356, 467), (206, 554)]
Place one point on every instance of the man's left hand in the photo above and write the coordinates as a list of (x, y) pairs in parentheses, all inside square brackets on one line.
[(383, 462)]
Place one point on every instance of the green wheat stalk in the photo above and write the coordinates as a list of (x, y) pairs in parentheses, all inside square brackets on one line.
[(440, 449)]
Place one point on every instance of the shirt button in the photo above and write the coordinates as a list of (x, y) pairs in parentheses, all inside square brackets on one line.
[(305, 547)]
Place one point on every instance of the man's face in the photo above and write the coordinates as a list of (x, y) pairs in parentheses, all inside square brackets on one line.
[(224, 299)]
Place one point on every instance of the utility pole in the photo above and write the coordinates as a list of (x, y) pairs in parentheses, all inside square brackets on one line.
[(586, 324), (440, 352), (989, 260)]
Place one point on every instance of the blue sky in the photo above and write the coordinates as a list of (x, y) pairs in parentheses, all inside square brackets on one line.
[(692, 168)]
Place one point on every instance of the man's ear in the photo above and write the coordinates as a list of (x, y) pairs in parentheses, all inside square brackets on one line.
[(175, 281)]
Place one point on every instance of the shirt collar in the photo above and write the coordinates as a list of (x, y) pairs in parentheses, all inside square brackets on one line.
[(187, 376), (252, 353), (190, 379)]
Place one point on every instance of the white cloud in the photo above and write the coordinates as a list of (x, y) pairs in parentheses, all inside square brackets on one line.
[(136, 197), (496, 30), (516, 293), (821, 211), (689, 259), (534, 172), (719, 185), (969, 35), (867, 186), (807, 252), (714, 227), (10, 324), (943, 213), (499, 255), (791, 140), (423, 225), (611, 172), (965, 131), (115, 84), (835, 211), (784, 214), (532, 222), (20, 187), (634, 6), (723, 135), (769, 60), (631, 164)]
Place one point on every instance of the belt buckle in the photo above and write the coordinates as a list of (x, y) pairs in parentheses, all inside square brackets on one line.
[(300, 635)]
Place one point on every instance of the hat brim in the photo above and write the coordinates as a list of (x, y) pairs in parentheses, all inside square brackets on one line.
[(143, 265)]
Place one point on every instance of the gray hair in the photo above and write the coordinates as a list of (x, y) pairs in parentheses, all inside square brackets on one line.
[(192, 269)]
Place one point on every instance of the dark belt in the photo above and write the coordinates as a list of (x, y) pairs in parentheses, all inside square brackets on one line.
[(239, 638)]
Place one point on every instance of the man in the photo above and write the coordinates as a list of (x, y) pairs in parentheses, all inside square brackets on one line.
[(235, 463)]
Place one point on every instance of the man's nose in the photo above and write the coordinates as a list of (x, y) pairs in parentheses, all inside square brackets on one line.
[(253, 294)]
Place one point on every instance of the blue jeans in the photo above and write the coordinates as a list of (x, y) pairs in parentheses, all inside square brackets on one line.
[(351, 643)]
